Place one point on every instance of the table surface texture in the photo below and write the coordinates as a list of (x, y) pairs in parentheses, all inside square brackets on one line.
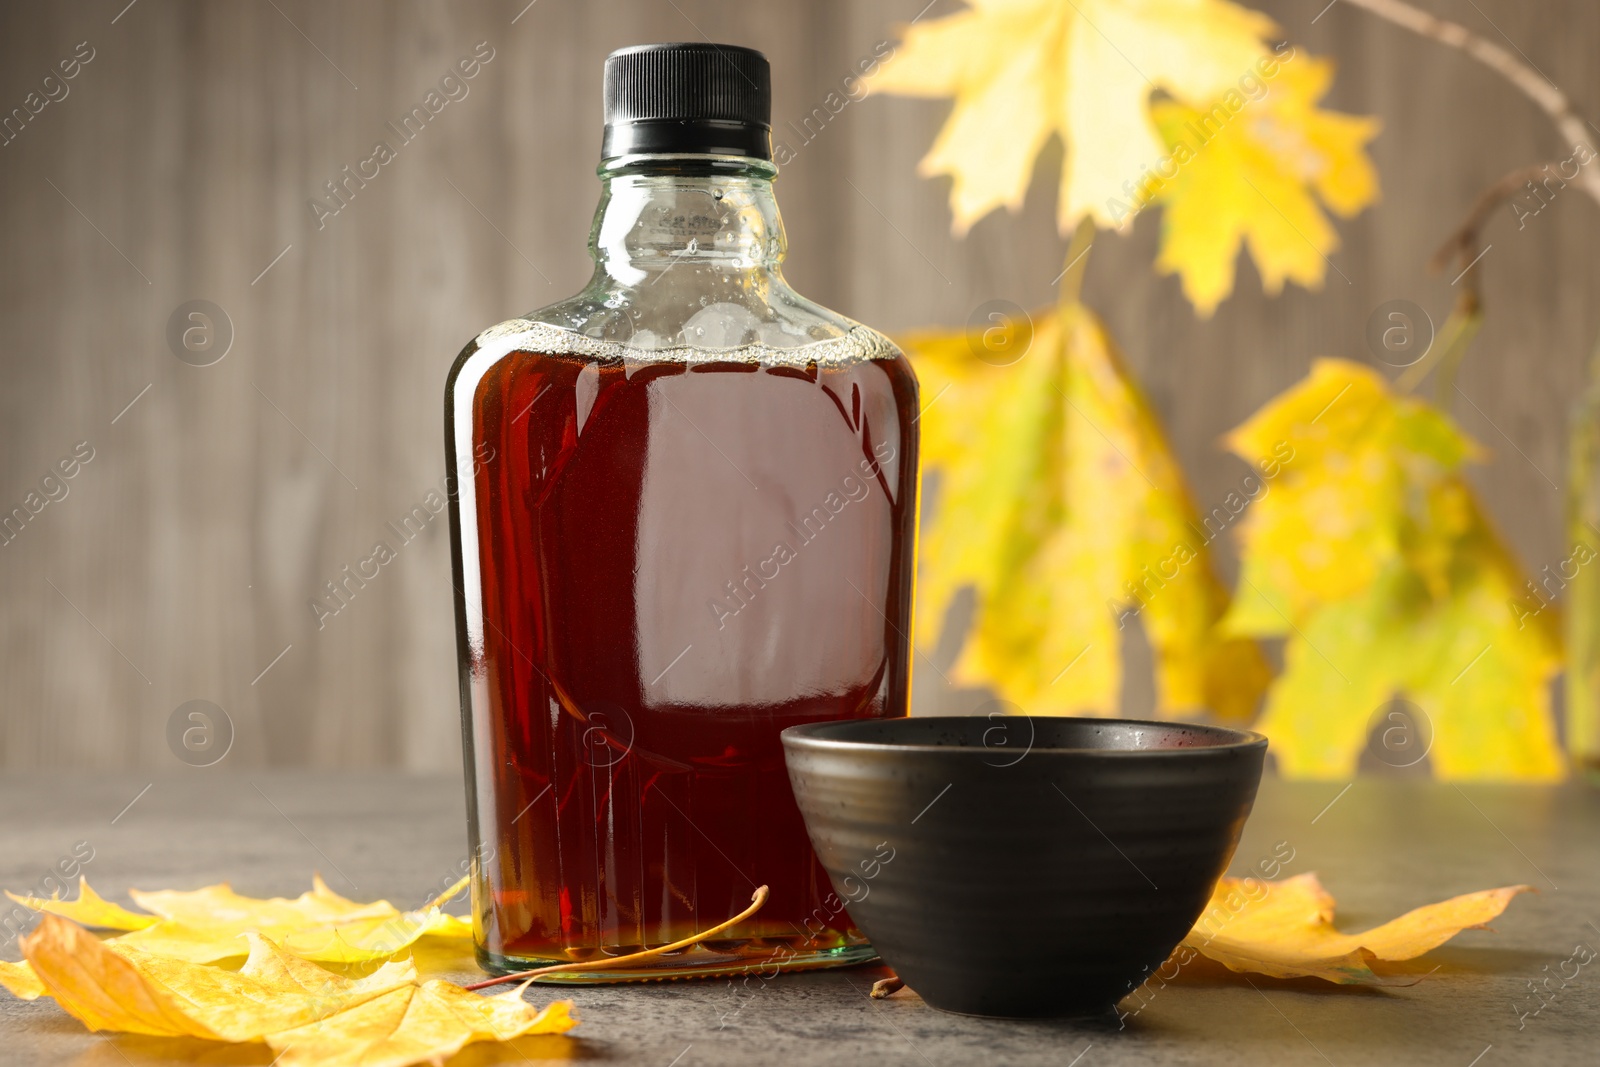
[(1381, 846)]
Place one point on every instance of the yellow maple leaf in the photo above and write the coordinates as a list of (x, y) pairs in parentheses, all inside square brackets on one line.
[(1373, 558), (1084, 70), (90, 909), (311, 1016), (416, 1024), (209, 924), (20, 981), (1176, 101), (307, 1014), (1059, 501), (1284, 929), (1249, 170), (140, 993)]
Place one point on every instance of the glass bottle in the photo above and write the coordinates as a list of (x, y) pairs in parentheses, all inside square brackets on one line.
[(683, 509)]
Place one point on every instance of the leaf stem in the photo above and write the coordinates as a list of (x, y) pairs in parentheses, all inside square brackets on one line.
[(1459, 330), (756, 902), (1077, 262), (444, 898), (1448, 347)]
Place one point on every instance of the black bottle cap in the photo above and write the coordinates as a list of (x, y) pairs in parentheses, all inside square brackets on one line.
[(694, 98)]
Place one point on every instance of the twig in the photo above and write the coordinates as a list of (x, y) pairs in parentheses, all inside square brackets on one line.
[(1466, 235), (1534, 85), (756, 901), (1464, 247), (1583, 665)]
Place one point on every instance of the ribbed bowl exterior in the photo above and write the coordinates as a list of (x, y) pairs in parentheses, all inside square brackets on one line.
[(998, 879)]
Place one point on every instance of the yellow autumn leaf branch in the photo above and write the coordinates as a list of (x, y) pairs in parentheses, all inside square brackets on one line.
[(1059, 502), (1176, 102), (1373, 559)]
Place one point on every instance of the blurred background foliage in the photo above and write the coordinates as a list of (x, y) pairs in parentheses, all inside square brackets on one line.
[(181, 562), (1059, 503)]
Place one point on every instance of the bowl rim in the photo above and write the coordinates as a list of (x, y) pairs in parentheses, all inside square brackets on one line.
[(1231, 740)]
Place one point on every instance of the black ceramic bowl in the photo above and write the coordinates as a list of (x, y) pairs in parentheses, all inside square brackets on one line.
[(1019, 866)]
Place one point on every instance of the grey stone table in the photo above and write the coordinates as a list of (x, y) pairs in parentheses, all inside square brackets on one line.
[(1380, 845)]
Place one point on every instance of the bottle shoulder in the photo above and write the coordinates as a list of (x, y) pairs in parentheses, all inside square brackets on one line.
[(853, 344), (783, 329), (518, 360)]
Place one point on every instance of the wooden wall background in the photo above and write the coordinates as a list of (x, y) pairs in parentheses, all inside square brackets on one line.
[(179, 166)]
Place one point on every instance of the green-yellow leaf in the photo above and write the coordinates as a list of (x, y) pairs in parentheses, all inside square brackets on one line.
[(1373, 559), (1060, 503)]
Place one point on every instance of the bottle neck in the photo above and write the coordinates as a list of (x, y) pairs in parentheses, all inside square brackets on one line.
[(688, 226), (688, 252)]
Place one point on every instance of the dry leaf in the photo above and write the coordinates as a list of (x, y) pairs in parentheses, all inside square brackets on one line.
[(136, 992), (307, 1014), (20, 981), (310, 1016), (1060, 502), (415, 1024), (207, 925), (90, 909), (1284, 929)]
